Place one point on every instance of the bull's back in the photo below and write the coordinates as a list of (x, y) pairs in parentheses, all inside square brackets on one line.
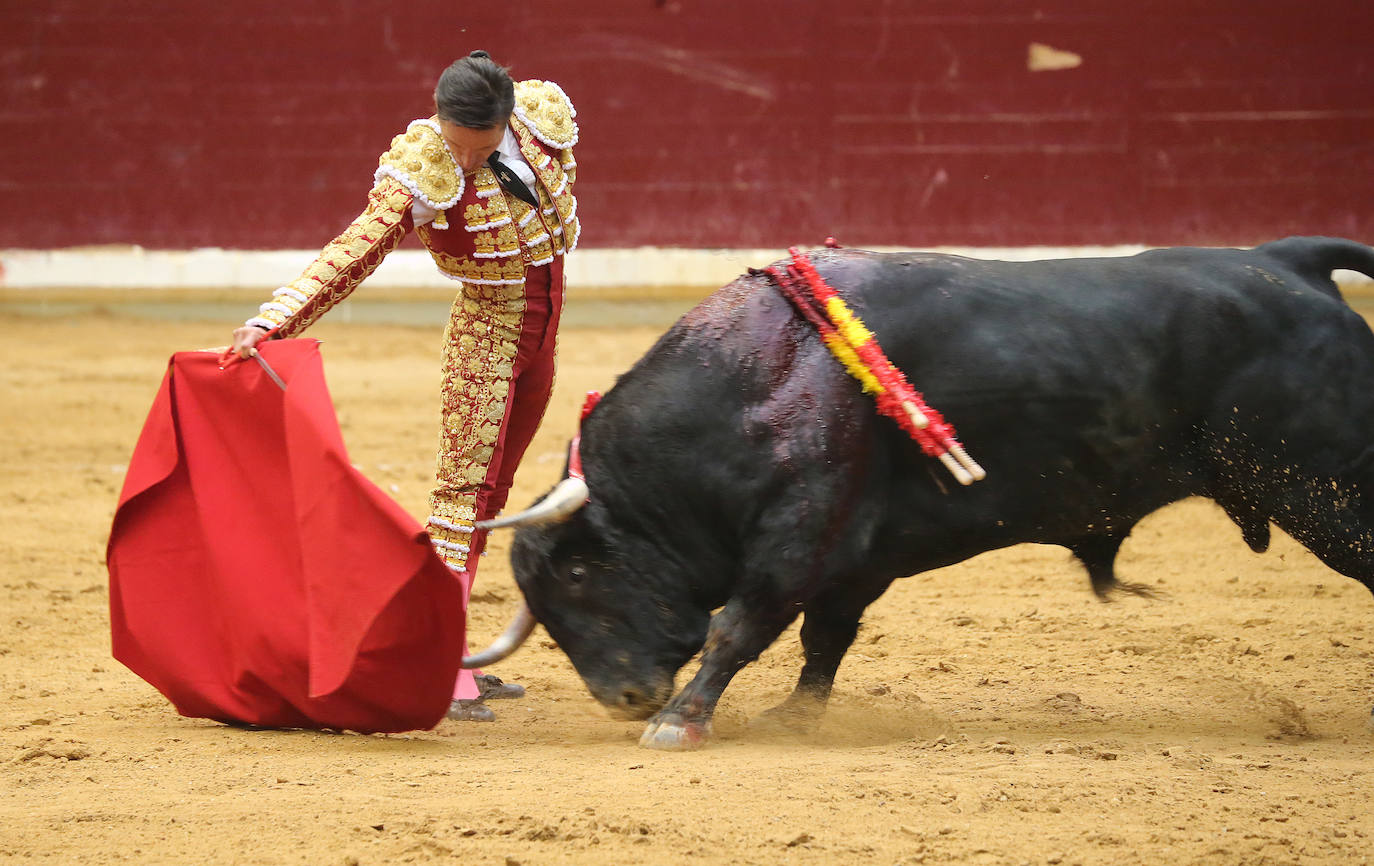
[(1097, 369), (1092, 391), (1118, 385)]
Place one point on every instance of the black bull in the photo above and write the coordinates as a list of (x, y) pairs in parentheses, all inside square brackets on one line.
[(737, 468)]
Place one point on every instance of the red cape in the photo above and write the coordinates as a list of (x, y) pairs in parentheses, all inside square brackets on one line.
[(257, 577)]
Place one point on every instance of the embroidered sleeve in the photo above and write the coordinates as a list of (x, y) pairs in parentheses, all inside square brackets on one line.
[(344, 263), (569, 164)]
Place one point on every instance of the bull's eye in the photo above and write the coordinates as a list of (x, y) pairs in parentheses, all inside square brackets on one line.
[(577, 573)]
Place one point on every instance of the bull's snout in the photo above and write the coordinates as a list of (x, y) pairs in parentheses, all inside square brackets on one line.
[(633, 702)]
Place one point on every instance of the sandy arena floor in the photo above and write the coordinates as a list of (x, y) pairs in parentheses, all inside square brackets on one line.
[(990, 713)]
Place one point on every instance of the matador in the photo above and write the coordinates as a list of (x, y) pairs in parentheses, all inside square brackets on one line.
[(494, 206)]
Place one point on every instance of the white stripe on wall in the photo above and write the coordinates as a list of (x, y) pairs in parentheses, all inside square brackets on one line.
[(645, 267)]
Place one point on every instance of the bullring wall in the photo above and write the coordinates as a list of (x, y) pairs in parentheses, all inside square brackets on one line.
[(729, 125)]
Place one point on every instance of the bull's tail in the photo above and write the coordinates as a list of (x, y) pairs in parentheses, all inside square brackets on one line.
[(1316, 257)]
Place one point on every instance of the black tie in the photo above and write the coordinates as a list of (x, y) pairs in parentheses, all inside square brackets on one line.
[(510, 181)]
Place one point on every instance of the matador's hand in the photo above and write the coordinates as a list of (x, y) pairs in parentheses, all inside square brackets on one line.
[(246, 338)]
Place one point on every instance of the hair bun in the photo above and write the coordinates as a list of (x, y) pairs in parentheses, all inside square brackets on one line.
[(480, 54)]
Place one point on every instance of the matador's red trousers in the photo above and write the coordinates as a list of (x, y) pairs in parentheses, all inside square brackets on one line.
[(499, 366)]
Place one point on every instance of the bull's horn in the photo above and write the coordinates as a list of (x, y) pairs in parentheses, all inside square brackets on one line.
[(510, 640), (559, 505)]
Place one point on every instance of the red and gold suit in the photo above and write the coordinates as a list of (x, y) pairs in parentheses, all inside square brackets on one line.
[(499, 345)]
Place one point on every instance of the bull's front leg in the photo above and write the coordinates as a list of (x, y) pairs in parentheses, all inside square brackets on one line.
[(737, 635), (828, 630), (826, 636)]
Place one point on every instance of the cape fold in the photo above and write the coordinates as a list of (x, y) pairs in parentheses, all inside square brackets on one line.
[(256, 577)]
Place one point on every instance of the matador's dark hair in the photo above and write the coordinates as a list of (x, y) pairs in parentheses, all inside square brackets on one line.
[(475, 92)]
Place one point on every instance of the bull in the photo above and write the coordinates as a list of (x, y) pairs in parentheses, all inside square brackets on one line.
[(737, 468)]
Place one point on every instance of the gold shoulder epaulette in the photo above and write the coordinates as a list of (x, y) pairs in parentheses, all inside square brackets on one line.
[(420, 160), (547, 111)]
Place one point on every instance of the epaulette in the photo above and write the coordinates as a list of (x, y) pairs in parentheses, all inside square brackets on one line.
[(547, 111), (421, 162)]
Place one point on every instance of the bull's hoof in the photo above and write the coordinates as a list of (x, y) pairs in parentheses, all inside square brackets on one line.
[(673, 733)]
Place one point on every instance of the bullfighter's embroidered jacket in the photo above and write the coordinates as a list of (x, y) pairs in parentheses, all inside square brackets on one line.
[(479, 237)]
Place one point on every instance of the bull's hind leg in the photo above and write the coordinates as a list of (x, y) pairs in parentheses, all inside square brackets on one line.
[(828, 628), (1335, 525)]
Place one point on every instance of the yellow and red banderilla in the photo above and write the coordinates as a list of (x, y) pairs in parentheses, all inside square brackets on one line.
[(855, 347)]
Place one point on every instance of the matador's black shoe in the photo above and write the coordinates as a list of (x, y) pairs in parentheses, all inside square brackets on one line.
[(469, 711), (489, 687)]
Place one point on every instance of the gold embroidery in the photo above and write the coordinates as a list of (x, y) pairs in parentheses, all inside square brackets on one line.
[(494, 270), (486, 212), (540, 250), (551, 177), (503, 238), (345, 261), (548, 169), (568, 164), (420, 160), (450, 528), (546, 108), (480, 344), (552, 221), (484, 179), (506, 270), (519, 209)]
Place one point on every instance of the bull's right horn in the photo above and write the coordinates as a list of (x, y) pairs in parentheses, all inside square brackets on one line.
[(562, 501), (510, 640)]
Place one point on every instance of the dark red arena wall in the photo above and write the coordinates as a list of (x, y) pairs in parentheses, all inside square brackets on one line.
[(707, 124)]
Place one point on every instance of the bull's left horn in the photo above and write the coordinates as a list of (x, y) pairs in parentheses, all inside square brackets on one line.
[(559, 505), (510, 640)]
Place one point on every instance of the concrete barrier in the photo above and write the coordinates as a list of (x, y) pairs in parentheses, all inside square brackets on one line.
[(605, 272)]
